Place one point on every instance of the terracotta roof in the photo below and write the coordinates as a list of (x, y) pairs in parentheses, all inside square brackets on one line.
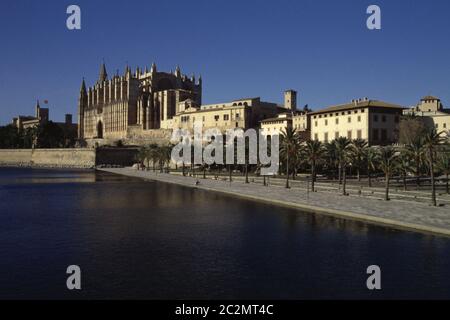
[(359, 104), (430, 98)]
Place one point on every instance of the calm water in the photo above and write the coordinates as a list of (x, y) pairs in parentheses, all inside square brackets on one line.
[(135, 239)]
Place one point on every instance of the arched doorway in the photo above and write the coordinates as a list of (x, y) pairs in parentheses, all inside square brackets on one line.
[(100, 130)]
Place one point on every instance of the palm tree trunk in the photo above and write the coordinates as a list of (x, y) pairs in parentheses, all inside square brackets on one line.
[(184, 168), (358, 174), (386, 196), (344, 177), (446, 184), (404, 181), (433, 186), (287, 169), (246, 173), (313, 175), (264, 181), (418, 176), (340, 173), (369, 176)]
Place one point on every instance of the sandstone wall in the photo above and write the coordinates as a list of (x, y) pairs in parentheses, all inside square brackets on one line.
[(64, 158), (135, 137), (18, 157), (68, 158), (58, 158)]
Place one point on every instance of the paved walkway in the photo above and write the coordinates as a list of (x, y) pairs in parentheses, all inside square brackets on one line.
[(398, 214)]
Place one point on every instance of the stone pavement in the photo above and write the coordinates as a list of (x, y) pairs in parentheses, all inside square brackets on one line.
[(399, 214)]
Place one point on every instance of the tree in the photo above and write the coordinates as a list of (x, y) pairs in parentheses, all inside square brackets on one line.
[(332, 157), (371, 161), (166, 156), (431, 140), (153, 155), (142, 155), (387, 163), (9, 137), (403, 166), (357, 152), (290, 143), (444, 166), (415, 150), (314, 151), (342, 151)]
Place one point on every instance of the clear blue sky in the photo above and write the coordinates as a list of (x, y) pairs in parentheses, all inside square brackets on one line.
[(242, 48)]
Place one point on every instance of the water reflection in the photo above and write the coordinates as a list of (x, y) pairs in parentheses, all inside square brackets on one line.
[(136, 239)]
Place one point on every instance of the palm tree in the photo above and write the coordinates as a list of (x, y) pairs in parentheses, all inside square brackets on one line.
[(404, 166), (371, 160), (166, 156), (332, 158), (342, 151), (289, 147), (415, 150), (387, 163), (431, 140), (314, 152), (444, 167), (141, 155), (358, 151), (153, 155)]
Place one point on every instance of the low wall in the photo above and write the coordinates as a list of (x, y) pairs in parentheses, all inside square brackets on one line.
[(59, 158), (19, 157), (67, 158), (64, 158)]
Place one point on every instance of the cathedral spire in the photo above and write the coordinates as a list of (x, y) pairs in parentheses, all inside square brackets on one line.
[(153, 69), (83, 87), (103, 75), (178, 71)]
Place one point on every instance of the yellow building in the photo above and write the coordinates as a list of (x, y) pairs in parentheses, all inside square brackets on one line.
[(295, 119), (242, 113), (374, 121), (433, 113)]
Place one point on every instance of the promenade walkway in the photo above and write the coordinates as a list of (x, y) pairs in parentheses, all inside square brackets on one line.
[(395, 213)]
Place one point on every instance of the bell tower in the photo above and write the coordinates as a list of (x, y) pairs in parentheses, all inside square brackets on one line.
[(290, 100)]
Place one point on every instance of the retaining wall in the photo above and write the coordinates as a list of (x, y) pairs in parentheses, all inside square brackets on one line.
[(67, 158)]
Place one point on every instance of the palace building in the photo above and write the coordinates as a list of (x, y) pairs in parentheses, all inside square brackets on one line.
[(133, 104), (433, 113), (375, 121)]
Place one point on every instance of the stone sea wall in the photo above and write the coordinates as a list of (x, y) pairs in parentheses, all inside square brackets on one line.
[(67, 158)]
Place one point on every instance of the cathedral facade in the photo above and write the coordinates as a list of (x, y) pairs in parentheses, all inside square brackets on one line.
[(134, 103)]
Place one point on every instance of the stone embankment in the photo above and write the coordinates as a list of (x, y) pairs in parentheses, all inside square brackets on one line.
[(67, 158)]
